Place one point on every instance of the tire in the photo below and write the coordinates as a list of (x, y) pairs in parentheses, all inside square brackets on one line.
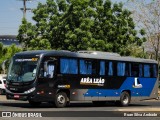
[(4, 92), (1, 92), (34, 104), (60, 100), (124, 99), (99, 103)]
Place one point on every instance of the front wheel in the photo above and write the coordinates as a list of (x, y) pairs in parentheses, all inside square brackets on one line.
[(61, 100), (2, 91), (124, 99)]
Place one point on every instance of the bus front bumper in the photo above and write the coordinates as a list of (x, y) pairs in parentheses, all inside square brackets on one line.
[(19, 96)]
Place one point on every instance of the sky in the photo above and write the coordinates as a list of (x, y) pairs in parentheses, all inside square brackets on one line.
[(11, 15)]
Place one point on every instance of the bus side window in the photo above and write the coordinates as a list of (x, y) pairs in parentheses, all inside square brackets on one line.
[(102, 68), (94, 67), (147, 70), (140, 70), (127, 70), (88, 67), (85, 67), (49, 73), (50, 70), (110, 68), (155, 72), (121, 66), (68, 66), (135, 70)]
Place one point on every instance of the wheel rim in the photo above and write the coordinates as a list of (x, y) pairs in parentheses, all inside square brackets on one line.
[(61, 99), (125, 99)]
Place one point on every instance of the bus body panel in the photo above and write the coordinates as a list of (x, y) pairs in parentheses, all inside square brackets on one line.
[(110, 94), (46, 89), (84, 87)]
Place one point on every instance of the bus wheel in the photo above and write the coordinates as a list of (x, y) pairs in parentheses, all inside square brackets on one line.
[(99, 103), (34, 104), (61, 100), (124, 99), (1, 92)]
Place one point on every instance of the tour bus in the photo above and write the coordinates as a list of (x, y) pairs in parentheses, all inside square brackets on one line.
[(59, 77)]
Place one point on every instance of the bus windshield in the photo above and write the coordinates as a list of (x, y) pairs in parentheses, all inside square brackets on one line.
[(22, 69)]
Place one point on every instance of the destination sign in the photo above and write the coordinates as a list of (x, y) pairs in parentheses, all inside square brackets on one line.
[(23, 60)]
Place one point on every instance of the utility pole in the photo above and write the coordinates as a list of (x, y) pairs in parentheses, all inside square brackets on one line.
[(24, 9)]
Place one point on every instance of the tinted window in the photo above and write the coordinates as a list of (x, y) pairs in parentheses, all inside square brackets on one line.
[(154, 71), (121, 68), (102, 68), (68, 66), (49, 72), (87, 67), (146, 70), (110, 68), (140, 70), (135, 69), (0, 82), (127, 70)]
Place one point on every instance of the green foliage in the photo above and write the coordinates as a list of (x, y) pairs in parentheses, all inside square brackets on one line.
[(26, 33), (7, 52), (142, 32), (80, 25)]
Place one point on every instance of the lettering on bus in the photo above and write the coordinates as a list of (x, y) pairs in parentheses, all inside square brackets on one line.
[(92, 81), (24, 60)]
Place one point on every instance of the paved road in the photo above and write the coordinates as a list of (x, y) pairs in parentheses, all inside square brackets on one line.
[(12, 105), (21, 106)]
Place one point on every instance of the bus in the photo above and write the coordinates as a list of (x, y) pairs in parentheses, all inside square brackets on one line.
[(59, 77)]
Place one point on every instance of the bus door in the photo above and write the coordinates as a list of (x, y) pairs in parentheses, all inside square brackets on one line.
[(46, 80)]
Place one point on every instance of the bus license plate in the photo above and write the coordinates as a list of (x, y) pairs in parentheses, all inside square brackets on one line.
[(16, 96)]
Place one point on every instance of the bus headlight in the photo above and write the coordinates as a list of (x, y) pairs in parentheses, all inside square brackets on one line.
[(30, 90)]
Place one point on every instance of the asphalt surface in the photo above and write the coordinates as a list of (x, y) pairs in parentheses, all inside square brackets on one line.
[(81, 110)]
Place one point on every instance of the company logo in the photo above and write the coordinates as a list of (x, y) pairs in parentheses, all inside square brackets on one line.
[(137, 83), (21, 114), (92, 81), (6, 114), (64, 86)]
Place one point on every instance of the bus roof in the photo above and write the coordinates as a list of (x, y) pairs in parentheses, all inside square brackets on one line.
[(84, 54)]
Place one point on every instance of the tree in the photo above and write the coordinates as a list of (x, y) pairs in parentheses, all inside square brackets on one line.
[(26, 33), (7, 52), (147, 15), (115, 26), (82, 25)]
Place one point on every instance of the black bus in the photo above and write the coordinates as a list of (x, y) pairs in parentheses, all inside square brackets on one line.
[(59, 77)]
